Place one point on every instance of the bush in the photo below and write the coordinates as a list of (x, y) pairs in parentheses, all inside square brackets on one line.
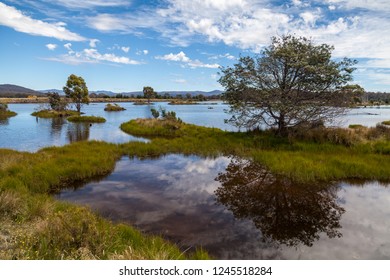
[(113, 108)]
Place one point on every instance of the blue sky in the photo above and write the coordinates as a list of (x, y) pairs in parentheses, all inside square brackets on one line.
[(124, 45)]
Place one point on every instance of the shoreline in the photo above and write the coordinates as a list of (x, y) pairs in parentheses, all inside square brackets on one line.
[(39, 100)]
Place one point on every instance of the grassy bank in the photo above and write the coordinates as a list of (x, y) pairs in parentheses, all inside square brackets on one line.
[(89, 119), (324, 154), (113, 108), (55, 114), (33, 225), (7, 114)]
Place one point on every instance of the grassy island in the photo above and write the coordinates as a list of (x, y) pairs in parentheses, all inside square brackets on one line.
[(36, 226), (54, 113), (113, 108), (5, 112), (89, 119)]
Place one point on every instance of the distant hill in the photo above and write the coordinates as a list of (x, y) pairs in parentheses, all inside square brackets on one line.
[(7, 90)]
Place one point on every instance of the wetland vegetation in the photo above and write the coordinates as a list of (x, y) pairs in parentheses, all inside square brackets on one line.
[(88, 119)]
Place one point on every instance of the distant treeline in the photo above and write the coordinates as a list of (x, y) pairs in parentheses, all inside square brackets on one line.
[(199, 97), (377, 97)]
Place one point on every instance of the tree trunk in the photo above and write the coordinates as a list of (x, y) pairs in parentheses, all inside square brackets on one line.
[(282, 128)]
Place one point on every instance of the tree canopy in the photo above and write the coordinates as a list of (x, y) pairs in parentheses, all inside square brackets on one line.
[(291, 83), (77, 90), (148, 93)]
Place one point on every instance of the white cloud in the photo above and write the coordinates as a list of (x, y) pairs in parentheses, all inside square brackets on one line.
[(51, 47), (11, 17), (180, 81), (86, 4), (125, 49), (145, 52), (93, 42), (182, 57), (91, 56)]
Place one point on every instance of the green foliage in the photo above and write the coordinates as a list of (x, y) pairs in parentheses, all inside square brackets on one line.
[(54, 114), (355, 126), (56, 103), (149, 93), (76, 89), (113, 108), (386, 122), (4, 112), (89, 119), (291, 83), (155, 113)]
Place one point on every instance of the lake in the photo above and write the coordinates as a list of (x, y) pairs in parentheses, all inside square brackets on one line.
[(236, 209), (27, 133), (232, 207)]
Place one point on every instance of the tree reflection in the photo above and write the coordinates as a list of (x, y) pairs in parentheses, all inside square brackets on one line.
[(78, 132), (285, 212), (56, 126), (4, 121)]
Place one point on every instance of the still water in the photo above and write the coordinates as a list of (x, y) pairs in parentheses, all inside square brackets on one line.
[(236, 209), (27, 133)]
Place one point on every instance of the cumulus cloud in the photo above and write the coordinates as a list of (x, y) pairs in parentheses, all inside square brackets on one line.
[(145, 52), (91, 56), (182, 57), (87, 4), (125, 49), (51, 47), (13, 18), (93, 42)]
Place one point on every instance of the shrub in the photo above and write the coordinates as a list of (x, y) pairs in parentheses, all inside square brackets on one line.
[(113, 108)]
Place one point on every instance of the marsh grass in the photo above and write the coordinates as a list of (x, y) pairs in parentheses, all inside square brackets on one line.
[(386, 122), (113, 108), (89, 119), (36, 226), (55, 114)]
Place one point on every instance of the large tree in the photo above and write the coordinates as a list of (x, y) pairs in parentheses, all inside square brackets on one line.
[(291, 83), (149, 93), (77, 90)]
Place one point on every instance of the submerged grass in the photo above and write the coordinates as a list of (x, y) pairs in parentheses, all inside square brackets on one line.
[(90, 119), (35, 226)]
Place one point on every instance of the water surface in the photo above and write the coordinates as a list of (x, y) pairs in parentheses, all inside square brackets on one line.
[(236, 209)]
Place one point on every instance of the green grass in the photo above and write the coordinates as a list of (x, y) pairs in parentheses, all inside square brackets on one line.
[(54, 114), (113, 108), (7, 114), (89, 119), (386, 122), (36, 226), (355, 126)]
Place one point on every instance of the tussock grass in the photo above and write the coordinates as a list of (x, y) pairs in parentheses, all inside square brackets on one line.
[(113, 108), (89, 119), (35, 226), (386, 122), (54, 114)]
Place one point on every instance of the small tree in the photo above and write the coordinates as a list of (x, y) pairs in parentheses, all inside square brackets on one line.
[(291, 83), (77, 90), (155, 113), (55, 102), (149, 93)]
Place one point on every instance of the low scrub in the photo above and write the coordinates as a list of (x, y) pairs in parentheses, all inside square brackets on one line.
[(55, 114), (113, 108), (89, 119), (5, 112), (386, 122)]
